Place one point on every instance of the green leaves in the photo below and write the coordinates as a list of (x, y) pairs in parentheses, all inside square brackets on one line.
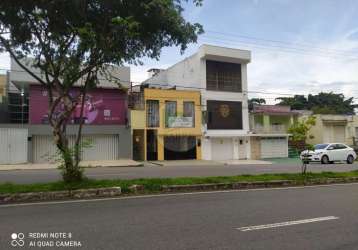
[(95, 31), (255, 101), (322, 103), (299, 130)]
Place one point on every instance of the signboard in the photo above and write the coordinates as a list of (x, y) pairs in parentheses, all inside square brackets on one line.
[(180, 122), (224, 115), (102, 106)]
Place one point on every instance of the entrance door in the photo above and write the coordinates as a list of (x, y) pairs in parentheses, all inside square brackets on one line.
[(138, 144), (152, 145), (242, 149)]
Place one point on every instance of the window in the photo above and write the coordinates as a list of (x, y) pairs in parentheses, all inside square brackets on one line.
[(152, 113), (224, 115), (340, 146), (222, 76), (170, 111), (189, 111), (320, 146)]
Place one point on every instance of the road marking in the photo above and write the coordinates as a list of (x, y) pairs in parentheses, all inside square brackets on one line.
[(174, 194), (287, 223)]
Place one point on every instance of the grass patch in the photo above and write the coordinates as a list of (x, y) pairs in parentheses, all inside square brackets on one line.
[(154, 184)]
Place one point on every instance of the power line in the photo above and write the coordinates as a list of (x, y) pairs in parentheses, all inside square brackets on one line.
[(299, 44), (197, 88), (276, 48)]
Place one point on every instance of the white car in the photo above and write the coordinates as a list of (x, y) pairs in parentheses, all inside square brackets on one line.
[(329, 153)]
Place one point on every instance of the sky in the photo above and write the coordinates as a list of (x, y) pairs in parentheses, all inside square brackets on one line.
[(298, 47)]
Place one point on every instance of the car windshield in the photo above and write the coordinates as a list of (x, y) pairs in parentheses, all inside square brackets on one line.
[(320, 146)]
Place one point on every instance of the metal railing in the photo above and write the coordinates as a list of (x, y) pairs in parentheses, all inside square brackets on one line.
[(273, 128)]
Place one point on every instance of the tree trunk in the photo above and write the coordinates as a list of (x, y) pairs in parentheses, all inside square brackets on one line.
[(71, 172), (78, 146)]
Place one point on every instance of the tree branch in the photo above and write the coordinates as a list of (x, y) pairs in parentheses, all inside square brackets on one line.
[(7, 47)]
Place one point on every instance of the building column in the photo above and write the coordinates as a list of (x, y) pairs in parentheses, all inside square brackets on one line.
[(145, 144), (266, 123), (198, 147), (252, 124), (235, 144), (160, 142)]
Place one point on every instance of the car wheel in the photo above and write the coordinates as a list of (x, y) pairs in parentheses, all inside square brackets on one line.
[(324, 159), (350, 159)]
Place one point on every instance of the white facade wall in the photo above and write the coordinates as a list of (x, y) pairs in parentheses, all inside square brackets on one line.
[(191, 73), (21, 78)]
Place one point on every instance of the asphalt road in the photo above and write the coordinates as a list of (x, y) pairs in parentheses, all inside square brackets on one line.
[(153, 171), (196, 221)]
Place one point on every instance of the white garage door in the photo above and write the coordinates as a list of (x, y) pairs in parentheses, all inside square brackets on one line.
[(13, 145), (274, 147), (102, 147), (221, 149)]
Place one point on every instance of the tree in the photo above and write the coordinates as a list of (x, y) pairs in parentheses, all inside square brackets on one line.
[(322, 103), (76, 40), (300, 129), (299, 134), (331, 103), (297, 102), (257, 101)]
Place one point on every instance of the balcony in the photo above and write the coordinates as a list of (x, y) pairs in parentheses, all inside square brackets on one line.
[(271, 129)]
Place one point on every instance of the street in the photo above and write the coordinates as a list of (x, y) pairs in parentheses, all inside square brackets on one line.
[(196, 221), (155, 171)]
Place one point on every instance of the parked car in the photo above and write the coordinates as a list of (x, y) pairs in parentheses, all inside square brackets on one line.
[(329, 153)]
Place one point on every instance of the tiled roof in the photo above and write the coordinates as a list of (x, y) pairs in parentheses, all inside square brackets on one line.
[(273, 109)]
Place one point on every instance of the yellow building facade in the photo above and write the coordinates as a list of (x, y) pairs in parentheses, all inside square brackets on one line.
[(169, 127), (2, 85)]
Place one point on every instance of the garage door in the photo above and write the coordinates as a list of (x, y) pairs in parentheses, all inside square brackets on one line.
[(101, 147), (339, 134), (221, 149), (13, 145), (274, 147)]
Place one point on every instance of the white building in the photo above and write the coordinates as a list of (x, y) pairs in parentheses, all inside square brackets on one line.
[(221, 75)]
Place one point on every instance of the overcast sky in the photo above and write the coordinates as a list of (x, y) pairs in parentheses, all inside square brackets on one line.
[(298, 47)]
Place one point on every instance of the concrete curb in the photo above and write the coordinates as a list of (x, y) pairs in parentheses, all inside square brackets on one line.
[(139, 189), (251, 185), (60, 195)]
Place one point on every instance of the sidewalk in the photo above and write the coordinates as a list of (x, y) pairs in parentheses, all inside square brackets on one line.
[(247, 162), (90, 164), (194, 163), (191, 163)]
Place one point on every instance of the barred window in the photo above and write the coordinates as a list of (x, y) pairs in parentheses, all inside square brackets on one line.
[(223, 76), (189, 111), (170, 111), (152, 113)]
